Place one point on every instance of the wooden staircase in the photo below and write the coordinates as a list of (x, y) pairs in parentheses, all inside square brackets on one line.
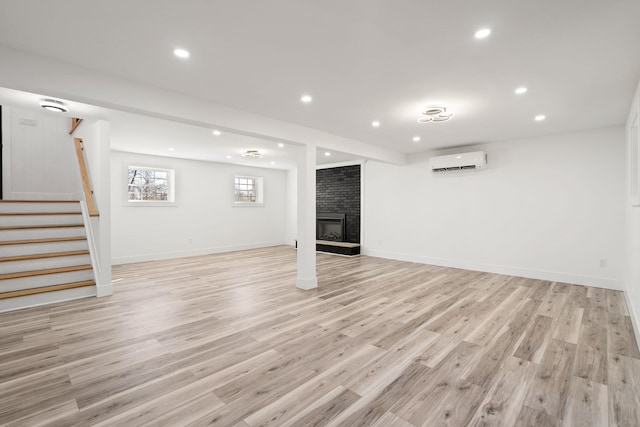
[(44, 254)]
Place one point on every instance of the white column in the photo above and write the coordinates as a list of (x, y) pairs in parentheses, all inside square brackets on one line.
[(307, 278)]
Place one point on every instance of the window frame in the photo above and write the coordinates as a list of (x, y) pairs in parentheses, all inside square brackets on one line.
[(171, 184), (259, 185)]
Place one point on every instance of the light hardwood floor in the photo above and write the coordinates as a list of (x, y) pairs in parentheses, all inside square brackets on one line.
[(228, 340)]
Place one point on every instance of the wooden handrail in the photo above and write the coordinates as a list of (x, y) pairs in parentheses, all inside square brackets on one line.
[(86, 187), (75, 122)]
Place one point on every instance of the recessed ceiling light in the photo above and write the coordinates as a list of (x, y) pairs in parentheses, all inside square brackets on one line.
[(172, 149), (181, 53), (228, 157), (540, 117), (306, 99), (217, 133), (375, 124), (54, 105), (326, 153), (521, 90), (281, 145), (482, 33), (416, 138)]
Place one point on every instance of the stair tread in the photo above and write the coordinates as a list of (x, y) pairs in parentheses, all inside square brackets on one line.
[(51, 240), (37, 201), (45, 271), (40, 213), (43, 255), (43, 289), (29, 227)]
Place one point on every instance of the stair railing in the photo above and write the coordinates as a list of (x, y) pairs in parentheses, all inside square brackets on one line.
[(86, 185)]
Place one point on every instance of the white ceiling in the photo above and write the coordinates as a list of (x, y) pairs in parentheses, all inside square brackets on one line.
[(149, 135), (361, 60)]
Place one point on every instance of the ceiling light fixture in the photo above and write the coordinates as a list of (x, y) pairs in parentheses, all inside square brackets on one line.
[(280, 145), (172, 149), (521, 90), (434, 114), (540, 117), (375, 124), (273, 163), (482, 33), (326, 153), (416, 138), (228, 157), (181, 53), (254, 154), (54, 105), (306, 99), (217, 133)]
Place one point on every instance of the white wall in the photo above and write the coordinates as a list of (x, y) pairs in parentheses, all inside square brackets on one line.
[(291, 225), (632, 276), (204, 219), (547, 208), (39, 157)]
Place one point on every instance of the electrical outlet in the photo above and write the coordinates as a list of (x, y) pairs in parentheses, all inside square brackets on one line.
[(603, 262)]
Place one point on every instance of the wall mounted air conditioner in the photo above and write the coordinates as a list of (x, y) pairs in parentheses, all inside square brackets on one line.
[(456, 162)]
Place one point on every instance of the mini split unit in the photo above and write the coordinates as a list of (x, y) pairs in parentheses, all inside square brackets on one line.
[(456, 162)]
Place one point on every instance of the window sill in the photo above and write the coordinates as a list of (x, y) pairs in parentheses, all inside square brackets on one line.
[(248, 205), (143, 203)]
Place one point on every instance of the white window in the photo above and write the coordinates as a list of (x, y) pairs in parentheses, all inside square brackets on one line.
[(248, 190), (148, 185)]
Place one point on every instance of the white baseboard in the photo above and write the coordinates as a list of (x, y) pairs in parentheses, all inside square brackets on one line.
[(104, 290), (598, 282), (306, 283), (196, 252), (635, 321)]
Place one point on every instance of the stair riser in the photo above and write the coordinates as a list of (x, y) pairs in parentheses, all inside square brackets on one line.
[(38, 207), (40, 233), (46, 298), (42, 263), (9, 285), (41, 248), (40, 219)]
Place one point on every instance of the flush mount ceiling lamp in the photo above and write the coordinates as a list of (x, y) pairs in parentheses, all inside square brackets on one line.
[(434, 114), (54, 105), (254, 154)]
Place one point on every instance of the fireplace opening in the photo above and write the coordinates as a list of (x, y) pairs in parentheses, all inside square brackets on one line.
[(330, 226)]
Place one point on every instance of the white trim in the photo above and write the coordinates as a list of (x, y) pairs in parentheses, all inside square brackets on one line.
[(196, 252), (635, 321), (341, 164), (259, 184), (598, 282), (93, 250), (307, 284)]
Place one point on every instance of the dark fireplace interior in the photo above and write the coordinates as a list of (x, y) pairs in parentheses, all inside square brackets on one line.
[(330, 226)]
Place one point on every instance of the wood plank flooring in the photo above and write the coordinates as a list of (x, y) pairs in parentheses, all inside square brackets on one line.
[(228, 340)]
